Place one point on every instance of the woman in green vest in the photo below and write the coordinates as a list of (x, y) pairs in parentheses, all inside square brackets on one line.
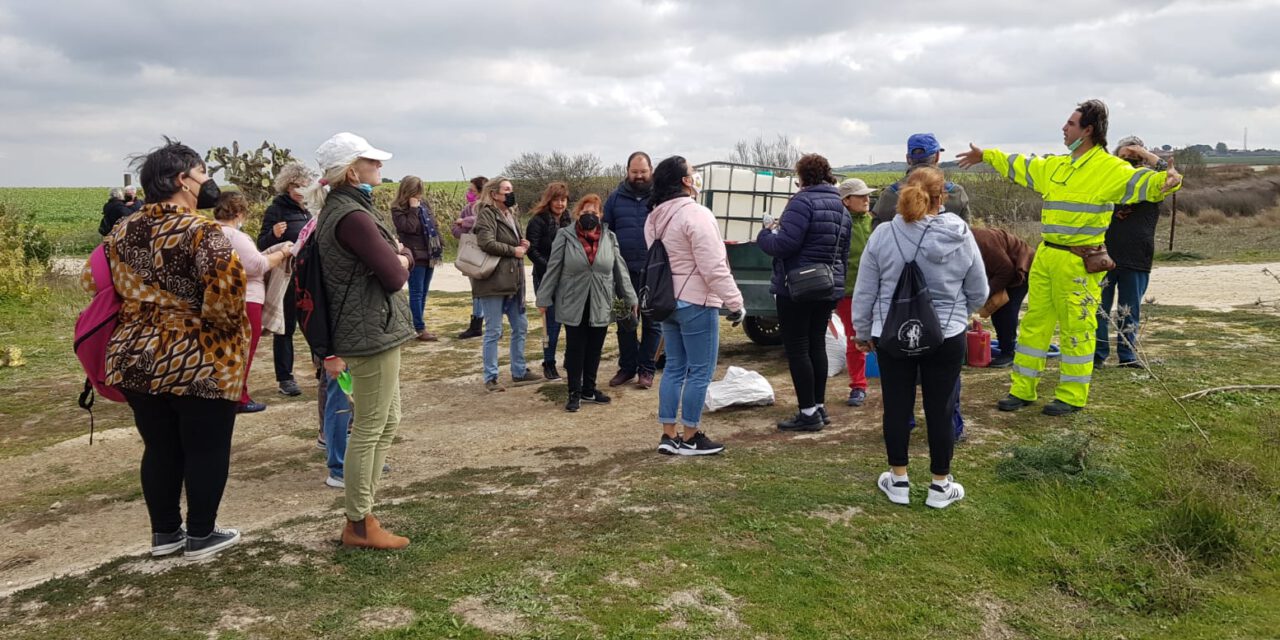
[(365, 269)]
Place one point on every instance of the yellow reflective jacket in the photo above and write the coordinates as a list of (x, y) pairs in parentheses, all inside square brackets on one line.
[(1080, 194)]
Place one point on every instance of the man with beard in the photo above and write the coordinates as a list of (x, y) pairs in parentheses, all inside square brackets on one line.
[(1080, 190), (624, 213)]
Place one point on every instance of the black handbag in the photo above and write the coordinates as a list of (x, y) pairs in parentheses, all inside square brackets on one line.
[(814, 282), (811, 282)]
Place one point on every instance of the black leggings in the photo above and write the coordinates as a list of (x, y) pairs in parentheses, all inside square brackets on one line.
[(582, 348), (804, 327), (938, 374), (282, 345), (187, 441)]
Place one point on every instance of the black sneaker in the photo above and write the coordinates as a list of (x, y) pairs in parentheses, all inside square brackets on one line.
[(574, 402), (1129, 364), (1012, 403), (801, 422), (163, 544), (549, 371), (290, 388), (699, 445), (856, 397), (1059, 408), (595, 396), (1001, 362), (669, 446), (208, 546), (826, 419)]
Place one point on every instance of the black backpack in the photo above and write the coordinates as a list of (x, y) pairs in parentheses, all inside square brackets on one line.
[(911, 328), (657, 293), (312, 301)]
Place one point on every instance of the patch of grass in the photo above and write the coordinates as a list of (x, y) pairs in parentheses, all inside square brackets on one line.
[(1178, 542), (1063, 456), (1177, 256)]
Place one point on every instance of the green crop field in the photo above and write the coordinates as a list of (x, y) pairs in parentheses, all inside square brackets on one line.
[(70, 215)]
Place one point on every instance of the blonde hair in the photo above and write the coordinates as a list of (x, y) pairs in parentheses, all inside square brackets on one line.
[(410, 187), (489, 194), (924, 193), (314, 196)]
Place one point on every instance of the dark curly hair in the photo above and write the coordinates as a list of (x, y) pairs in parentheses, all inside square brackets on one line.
[(668, 180), (814, 169), (1093, 113), (158, 169)]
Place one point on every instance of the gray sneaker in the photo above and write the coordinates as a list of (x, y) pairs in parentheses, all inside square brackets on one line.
[(163, 544), (493, 385), (210, 545), (290, 387), (529, 377)]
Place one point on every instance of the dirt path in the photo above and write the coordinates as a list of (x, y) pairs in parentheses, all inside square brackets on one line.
[(277, 472)]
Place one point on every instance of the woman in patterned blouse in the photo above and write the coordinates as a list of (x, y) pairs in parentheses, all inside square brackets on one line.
[(179, 352)]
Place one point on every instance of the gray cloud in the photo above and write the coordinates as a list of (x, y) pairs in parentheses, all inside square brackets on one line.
[(83, 84)]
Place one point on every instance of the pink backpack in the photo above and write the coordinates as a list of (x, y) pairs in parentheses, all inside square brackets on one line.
[(93, 330)]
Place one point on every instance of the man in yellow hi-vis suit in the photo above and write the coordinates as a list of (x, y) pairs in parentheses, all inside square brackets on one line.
[(1079, 192)]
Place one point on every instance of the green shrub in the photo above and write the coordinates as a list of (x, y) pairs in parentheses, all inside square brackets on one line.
[(25, 251)]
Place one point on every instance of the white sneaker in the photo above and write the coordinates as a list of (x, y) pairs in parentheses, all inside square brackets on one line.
[(940, 498), (336, 483), (899, 492)]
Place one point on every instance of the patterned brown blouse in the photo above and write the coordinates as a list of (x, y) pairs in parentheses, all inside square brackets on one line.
[(183, 327)]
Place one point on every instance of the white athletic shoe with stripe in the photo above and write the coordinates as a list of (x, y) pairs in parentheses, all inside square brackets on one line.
[(940, 498), (898, 492)]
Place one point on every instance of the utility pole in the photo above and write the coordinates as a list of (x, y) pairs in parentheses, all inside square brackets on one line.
[(1173, 218), (1246, 138)]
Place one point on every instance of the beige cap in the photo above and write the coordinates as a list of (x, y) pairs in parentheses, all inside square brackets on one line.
[(854, 187)]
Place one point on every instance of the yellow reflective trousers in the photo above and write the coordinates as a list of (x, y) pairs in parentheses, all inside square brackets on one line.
[(1060, 295)]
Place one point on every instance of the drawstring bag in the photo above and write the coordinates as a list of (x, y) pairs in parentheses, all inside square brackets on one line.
[(911, 328)]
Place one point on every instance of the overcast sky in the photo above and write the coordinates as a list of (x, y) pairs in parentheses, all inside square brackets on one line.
[(84, 83)]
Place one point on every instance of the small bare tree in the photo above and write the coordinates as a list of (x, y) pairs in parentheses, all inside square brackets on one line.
[(780, 152), (532, 172)]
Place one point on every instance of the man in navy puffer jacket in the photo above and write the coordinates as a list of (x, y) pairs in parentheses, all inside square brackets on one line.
[(624, 213), (814, 229)]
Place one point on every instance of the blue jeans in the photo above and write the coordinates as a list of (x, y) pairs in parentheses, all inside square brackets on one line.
[(692, 337), (337, 417), (553, 338), (1132, 285), (636, 355), (493, 308), (419, 287), (476, 311)]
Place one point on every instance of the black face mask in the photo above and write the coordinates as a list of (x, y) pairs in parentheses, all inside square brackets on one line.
[(588, 221), (510, 200), (207, 197)]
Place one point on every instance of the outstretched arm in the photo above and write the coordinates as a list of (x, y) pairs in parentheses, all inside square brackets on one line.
[(1025, 171)]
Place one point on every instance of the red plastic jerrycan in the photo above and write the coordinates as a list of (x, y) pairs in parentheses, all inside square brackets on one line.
[(979, 342)]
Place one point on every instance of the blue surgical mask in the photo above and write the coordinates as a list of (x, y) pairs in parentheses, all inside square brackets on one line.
[(366, 188), (1075, 145)]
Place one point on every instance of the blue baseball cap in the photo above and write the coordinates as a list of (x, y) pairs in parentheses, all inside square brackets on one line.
[(922, 145)]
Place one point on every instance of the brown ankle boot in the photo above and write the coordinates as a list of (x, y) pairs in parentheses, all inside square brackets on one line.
[(355, 534), (377, 533)]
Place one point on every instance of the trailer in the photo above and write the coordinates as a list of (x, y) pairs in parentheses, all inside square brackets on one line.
[(740, 196)]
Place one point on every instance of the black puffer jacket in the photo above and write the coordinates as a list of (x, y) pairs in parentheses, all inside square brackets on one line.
[(814, 229), (282, 209), (541, 233)]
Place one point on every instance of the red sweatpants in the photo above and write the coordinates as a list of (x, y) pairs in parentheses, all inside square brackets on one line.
[(254, 311), (855, 360)]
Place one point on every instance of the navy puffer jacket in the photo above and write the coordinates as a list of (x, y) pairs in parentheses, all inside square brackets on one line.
[(624, 213), (814, 229)]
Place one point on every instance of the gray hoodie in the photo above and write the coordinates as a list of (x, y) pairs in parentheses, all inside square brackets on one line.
[(948, 257)]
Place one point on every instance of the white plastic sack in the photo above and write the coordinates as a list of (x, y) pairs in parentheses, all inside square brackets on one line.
[(739, 387), (836, 344)]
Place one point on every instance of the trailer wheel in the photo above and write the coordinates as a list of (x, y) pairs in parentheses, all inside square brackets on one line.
[(763, 331)]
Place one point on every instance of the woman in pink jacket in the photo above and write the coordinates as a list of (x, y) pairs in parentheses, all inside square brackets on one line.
[(703, 285)]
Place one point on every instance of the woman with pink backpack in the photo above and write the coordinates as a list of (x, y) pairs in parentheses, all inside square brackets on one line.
[(178, 351)]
